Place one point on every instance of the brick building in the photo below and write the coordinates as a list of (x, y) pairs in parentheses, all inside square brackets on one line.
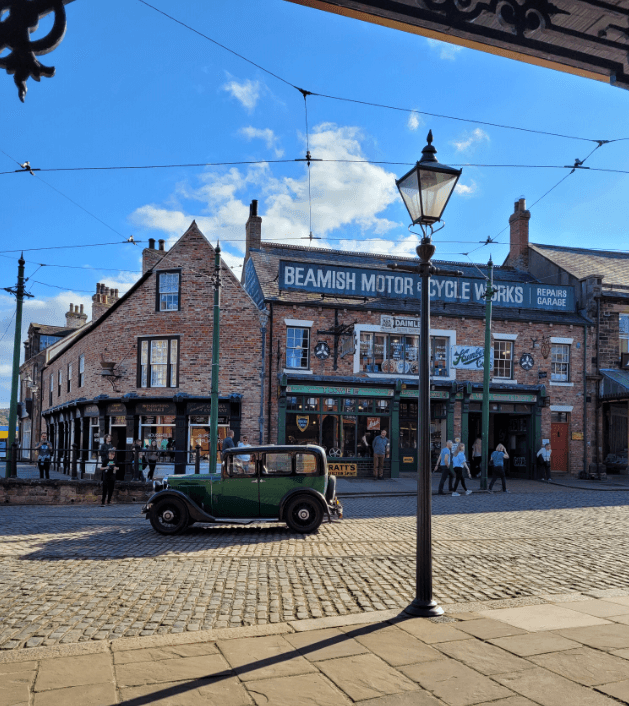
[(142, 367), (342, 346), (40, 338), (601, 283)]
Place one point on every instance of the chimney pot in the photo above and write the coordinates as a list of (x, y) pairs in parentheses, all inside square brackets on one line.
[(81, 309), (519, 236), (253, 208), (253, 230), (161, 244), (151, 243)]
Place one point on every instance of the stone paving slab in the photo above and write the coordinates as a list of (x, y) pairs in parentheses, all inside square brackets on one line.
[(332, 667)]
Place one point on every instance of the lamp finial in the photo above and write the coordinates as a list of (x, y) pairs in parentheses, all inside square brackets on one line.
[(429, 152)]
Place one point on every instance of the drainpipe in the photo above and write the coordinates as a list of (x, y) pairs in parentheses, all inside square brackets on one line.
[(263, 321), (598, 366), (268, 426), (585, 405)]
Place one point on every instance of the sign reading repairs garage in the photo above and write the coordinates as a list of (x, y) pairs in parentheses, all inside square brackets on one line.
[(362, 282)]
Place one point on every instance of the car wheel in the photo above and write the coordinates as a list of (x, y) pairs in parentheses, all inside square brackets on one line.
[(303, 514), (330, 491), (169, 516)]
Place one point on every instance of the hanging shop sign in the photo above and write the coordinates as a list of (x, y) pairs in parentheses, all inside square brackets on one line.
[(342, 469), (348, 344), (362, 282)]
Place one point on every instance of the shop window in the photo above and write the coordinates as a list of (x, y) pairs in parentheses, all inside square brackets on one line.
[(81, 370), (311, 404), (160, 429), (50, 388), (503, 359), (199, 435), (69, 377), (298, 348), (158, 364), (294, 403), (623, 332), (383, 406), (330, 404), (168, 291), (302, 429), (560, 363), (94, 440), (59, 382), (365, 405), (439, 366)]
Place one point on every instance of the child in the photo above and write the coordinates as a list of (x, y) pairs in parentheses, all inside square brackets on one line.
[(109, 477)]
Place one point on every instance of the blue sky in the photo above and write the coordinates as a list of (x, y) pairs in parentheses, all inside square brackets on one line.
[(134, 88)]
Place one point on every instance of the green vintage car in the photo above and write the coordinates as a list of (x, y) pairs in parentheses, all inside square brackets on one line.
[(262, 484)]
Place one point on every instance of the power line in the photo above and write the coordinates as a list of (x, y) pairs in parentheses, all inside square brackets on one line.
[(73, 247)]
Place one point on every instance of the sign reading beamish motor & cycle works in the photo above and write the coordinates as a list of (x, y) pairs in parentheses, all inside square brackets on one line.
[(362, 282)]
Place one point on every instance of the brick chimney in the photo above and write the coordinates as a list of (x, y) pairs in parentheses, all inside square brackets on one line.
[(151, 256), (519, 236), (102, 300), (253, 229), (75, 318)]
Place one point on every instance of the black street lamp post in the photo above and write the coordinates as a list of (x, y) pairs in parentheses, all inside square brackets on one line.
[(426, 190)]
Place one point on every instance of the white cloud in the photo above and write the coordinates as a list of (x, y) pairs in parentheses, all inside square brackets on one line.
[(446, 51), (343, 194), (247, 92), (414, 121), (266, 134), (470, 139), (466, 190)]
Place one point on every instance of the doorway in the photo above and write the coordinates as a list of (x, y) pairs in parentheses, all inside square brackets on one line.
[(119, 440), (559, 444)]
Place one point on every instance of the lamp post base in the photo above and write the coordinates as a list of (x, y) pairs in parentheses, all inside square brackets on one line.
[(423, 609)]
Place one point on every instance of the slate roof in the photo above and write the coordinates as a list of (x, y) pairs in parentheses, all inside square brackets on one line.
[(615, 383), (583, 262), (262, 271), (45, 330)]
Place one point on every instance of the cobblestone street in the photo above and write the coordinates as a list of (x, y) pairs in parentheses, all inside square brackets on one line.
[(75, 573)]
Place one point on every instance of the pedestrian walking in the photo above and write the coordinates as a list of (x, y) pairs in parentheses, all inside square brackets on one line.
[(108, 471), (543, 456), (477, 454), (460, 465), (380, 452), (44, 455), (444, 465), (364, 446), (498, 462), (228, 441), (152, 457)]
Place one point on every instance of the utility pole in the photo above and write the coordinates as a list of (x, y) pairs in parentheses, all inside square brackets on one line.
[(19, 295), (489, 293), (215, 353)]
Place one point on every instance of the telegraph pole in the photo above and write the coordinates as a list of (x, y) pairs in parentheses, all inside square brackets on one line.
[(215, 353), (489, 293), (19, 295)]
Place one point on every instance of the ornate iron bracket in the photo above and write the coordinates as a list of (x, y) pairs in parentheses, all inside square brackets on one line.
[(15, 30)]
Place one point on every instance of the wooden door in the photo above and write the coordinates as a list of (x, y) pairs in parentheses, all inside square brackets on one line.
[(559, 446)]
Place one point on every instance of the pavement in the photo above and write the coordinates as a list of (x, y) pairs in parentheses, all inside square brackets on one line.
[(569, 650)]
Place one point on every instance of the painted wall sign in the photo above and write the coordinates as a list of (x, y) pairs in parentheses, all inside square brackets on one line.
[(470, 357), (434, 394), (356, 391), (114, 410), (342, 469), (90, 411), (577, 436), (206, 408), (158, 408), (363, 282), (478, 397)]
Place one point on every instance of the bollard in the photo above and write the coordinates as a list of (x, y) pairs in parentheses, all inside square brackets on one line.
[(136, 463), (197, 459), (14, 452), (66, 462), (75, 458)]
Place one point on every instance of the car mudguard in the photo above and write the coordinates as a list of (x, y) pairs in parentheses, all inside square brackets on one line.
[(303, 491), (196, 513)]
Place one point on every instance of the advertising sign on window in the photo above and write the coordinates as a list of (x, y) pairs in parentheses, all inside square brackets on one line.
[(373, 423), (469, 357)]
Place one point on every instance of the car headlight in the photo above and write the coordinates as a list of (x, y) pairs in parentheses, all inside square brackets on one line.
[(157, 486), (165, 482)]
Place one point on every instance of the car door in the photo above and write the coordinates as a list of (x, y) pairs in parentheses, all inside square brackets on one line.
[(236, 495), (276, 479)]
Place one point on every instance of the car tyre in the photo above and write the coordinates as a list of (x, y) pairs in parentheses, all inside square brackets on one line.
[(330, 491), (169, 516), (303, 514)]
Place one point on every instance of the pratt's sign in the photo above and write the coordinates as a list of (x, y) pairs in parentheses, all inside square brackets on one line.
[(342, 469), (362, 282)]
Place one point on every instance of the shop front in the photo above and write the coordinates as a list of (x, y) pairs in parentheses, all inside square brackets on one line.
[(175, 426), (345, 419)]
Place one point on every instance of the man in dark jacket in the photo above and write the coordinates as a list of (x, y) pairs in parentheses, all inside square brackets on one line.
[(228, 441)]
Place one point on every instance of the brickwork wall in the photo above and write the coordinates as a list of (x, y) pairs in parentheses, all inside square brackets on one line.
[(468, 331), (116, 336)]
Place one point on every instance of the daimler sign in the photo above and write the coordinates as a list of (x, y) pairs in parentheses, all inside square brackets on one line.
[(362, 282)]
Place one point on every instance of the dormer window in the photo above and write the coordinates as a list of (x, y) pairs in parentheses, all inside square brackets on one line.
[(168, 291)]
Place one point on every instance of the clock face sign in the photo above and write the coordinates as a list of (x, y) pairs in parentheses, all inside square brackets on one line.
[(322, 350), (526, 361)]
